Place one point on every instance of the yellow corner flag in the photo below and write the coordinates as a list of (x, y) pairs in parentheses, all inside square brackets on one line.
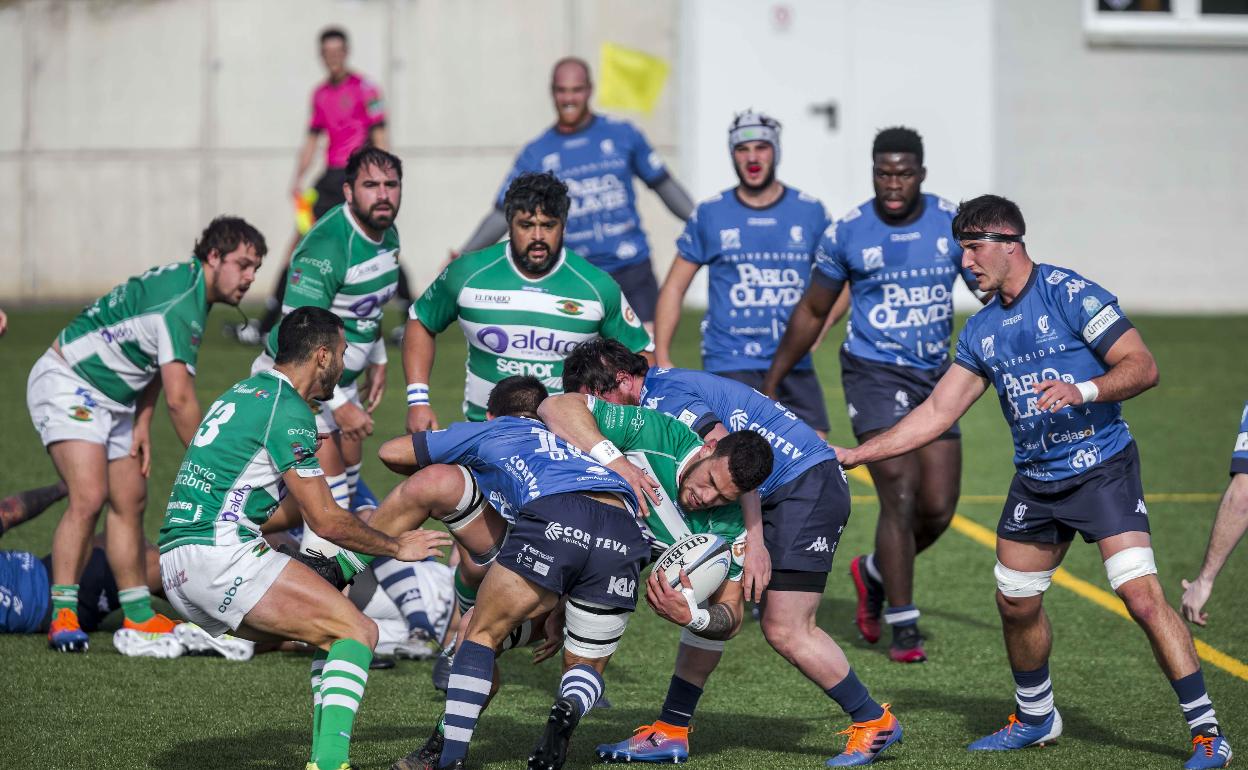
[(631, 79)]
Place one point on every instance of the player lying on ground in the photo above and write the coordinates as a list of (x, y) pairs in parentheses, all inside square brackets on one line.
[(1061, 356), (91, 397), (258, 439)]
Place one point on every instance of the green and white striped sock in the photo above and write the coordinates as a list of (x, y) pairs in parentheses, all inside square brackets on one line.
[(342, 687), (136, 604)]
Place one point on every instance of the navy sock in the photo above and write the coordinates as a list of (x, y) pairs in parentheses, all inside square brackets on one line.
[(682, 700), (583, 685), (1194, 700), (1033, 692), (852, 696), (471, 677), (900, 617)]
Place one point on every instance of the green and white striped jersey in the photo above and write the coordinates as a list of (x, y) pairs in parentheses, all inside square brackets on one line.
[(230, 480), (519, 325), (664, 446), (119, 342), (337, 267)]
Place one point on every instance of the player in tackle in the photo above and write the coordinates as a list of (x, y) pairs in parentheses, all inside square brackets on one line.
[(256, 447), (1061, 356)]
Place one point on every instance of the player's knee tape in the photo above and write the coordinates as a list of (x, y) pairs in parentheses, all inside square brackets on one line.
[(1129, 564), (471, 504), (691, 639), (593, 630), (1020, 585), (519, 636)]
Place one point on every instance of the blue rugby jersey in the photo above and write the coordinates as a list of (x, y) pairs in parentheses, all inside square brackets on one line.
[(759, 262), (1239, 458), (598, 164), (1059, 327), (700, 399), (901, 282), (25, 592), (517, 460)]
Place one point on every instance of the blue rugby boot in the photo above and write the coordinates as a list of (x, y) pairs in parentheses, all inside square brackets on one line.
[(1210, 749), (1020, 735), (658, 742), (867, 740)]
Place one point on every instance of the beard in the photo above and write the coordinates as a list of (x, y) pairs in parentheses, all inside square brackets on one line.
[(538, 265), (328, 381), (374, 219), (767, 180)]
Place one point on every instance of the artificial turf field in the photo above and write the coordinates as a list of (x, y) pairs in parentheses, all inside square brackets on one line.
[(100, 710)]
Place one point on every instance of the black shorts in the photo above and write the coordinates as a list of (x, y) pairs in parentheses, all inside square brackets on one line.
[(803, 520), (1106, 501), (97, 590), (639, 287), (329, 191), (572, 544), (878, 395), (800, 391)]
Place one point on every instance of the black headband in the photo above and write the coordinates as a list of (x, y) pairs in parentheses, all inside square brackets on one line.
[(1004, 237)]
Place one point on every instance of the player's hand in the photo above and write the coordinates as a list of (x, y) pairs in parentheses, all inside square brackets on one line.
[(4, 323), (1195, 594), (756, 574), (1056, 395), (353, 421), (420, 544), (553, 628), (667, 602), (141, 447), (644, 487), (421, 418), (848, 458), (376, 386)]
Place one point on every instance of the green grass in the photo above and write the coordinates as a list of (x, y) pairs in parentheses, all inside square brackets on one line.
[(101, 710)]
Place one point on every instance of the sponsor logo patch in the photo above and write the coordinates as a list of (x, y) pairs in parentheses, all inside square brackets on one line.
[(569, 307), (1104, 319)]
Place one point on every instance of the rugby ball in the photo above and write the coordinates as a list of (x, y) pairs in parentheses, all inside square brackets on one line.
[(704, 557)]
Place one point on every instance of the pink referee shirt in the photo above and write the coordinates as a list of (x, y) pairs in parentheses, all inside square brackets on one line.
[(346, 111)]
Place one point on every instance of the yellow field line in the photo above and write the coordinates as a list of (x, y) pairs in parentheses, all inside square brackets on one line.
[(1099, 596)]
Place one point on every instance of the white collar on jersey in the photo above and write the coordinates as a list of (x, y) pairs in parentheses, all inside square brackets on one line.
[(346, 210)]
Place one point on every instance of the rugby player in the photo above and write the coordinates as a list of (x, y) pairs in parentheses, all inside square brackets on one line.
[(256, 446), (758, 242), (805, 506), (1228, 529), (897, 254), (348, 264), (92, 396), (1062, 357), (598, 157)]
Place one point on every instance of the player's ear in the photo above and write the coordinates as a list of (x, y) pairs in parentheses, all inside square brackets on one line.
[(709, 446), (214, 258), (922, 174)]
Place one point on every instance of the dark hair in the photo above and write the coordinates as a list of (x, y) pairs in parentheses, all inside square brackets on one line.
[(368, 155), (899, 139), (532, 191), (330, 33), (593, 365), (303, 331), (749, 458), (516, 396), (989, 213), (224, 234)]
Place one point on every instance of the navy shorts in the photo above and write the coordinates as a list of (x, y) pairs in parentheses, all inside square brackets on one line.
[(878, 395), (803, 520), (800, 391), (1106, 501), (639, 287), (97, 590), (572, 544)]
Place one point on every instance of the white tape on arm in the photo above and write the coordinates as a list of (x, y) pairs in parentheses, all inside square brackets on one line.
[(1088, 390), (604, 452), (700, 618)]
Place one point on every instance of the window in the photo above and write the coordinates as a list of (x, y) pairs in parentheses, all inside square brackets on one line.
[(1166, 22)]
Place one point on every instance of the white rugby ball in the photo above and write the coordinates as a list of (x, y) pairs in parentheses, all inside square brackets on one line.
[(704, 557)]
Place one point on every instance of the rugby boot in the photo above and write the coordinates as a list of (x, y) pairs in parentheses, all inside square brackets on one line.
[(552, 750), (1020, 735), (197, 641), (867, 740), (870, 600), (907, 646), (658, 742), (319, 563), (427, 756), (1209, 749), (65, 635), (419, 645), (153, 638), (442, 668)]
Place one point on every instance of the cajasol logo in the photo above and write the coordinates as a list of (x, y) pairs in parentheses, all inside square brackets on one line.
[(497, 340)]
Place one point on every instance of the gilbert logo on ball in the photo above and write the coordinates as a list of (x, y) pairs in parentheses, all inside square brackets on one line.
[(704, 557)]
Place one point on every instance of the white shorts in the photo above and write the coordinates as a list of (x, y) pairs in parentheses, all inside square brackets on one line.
[(324, 415), (215, 586), (64, 407)]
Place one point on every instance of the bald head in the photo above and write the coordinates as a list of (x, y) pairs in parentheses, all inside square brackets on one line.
[(570, 87), (570, 67)]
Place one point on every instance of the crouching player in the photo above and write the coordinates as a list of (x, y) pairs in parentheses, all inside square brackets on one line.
[(258, 442), (699, 484)]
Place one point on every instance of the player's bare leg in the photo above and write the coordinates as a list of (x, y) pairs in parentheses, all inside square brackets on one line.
[(84, 468), (788, 625)]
